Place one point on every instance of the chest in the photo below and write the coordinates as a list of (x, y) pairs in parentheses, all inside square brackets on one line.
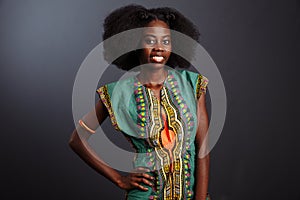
[(162, 115)]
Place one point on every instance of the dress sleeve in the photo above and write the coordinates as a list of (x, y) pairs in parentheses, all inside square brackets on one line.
[(201, 85), (105, 98)]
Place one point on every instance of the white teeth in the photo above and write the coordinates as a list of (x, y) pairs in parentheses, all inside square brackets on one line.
[(158, 58)]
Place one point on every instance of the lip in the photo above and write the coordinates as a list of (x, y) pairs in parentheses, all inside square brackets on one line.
[(157, 58), (157, 54)]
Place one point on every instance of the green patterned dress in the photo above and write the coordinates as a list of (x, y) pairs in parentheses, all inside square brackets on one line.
[(137, 114)]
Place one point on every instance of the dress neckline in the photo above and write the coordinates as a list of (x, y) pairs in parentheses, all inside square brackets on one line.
[(163, 83)]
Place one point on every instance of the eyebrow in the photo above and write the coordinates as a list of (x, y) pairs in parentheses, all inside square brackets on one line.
[(147, 35)]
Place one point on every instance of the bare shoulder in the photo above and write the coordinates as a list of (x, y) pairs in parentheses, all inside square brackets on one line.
[(101, 111), (96, 116), (201, 102)]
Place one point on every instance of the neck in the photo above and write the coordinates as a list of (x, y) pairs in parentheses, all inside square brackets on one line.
[(152, 76)]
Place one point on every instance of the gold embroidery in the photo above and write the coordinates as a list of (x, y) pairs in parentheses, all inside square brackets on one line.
[(103, 94), (173, 178), (201, 85)]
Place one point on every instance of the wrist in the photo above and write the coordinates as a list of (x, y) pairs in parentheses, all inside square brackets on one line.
[(119, 181)]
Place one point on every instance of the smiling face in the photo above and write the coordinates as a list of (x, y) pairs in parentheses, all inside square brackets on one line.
[(156, 44)]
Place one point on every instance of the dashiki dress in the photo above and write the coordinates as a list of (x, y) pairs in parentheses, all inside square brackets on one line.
[(161, 132)]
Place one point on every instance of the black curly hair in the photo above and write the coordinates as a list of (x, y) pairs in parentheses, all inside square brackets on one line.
[(136, 16)]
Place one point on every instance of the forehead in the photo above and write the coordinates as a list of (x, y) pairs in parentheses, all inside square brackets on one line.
[(157, 28)]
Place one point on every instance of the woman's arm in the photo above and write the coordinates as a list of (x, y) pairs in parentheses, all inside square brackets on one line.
[(202, 154), (80, 146)]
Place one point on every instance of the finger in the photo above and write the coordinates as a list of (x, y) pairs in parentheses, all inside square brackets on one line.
[(139, 186), (141, 169), (143, 175), (143, 180), (147, 176)]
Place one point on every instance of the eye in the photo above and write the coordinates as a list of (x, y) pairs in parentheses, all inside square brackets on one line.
[(166, 42), (150, 41)]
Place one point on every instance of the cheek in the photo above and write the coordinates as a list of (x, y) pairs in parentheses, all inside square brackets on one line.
[(144, 54), (168, 54)]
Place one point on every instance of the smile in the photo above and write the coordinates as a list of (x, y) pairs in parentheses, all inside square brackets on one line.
[(157, 58)]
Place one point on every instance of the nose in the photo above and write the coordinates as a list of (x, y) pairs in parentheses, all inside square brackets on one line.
[(158, 47)]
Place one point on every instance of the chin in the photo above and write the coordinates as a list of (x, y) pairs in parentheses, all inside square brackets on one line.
[(156, 65), (150, 64)]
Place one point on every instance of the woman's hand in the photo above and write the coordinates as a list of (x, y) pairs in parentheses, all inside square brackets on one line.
[(135, 178)]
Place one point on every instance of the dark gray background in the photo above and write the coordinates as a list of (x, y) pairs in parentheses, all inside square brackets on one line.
[(254, 43)]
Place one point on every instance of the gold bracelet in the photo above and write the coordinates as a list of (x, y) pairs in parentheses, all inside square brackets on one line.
[(83, 125)]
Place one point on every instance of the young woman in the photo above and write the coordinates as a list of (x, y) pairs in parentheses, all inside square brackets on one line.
[(167, 107)]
